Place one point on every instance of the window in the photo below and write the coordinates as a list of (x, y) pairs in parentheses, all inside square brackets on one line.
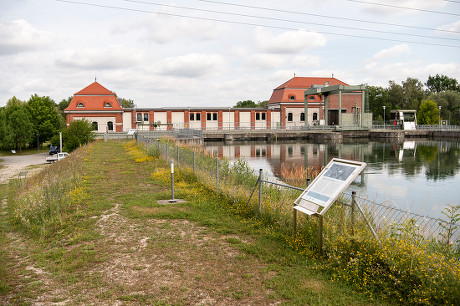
[(95, 127), (139, 117), (302, 116), (214, 116), (80, 105), (107, 104), (263, 116), (146, 117), (311, 97), (192, 117), (292, 98), (110, 126), (289, 116), (198, 116), (315, 116), (257, 116), (208, 116)]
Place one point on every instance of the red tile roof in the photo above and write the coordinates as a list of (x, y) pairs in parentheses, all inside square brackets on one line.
[(94, 97), (94, 89), (296, 87)]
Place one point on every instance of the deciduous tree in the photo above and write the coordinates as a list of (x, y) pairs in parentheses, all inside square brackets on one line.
[(428, 113)]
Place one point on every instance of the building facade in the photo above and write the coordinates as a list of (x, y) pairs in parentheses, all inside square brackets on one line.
[(285, 110)]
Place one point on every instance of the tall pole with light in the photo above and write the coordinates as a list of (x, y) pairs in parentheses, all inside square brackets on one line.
[(439, 116), (384, 107)]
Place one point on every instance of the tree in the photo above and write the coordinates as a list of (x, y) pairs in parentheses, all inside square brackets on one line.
[(428, 113), (80, 132), (450, 103), (378, 97), (125, 103), (18, 126), (246, 104), (395, 95), (45, 118), (64, 104), (413, 93), (440, 83)]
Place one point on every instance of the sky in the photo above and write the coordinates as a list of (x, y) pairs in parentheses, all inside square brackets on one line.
[(203, 53)]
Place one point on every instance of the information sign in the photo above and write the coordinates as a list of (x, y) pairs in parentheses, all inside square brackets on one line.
[(328, 185)]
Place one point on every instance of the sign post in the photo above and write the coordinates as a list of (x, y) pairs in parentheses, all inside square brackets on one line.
[(319, 196)]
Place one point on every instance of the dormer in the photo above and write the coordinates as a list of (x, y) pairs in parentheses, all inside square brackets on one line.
[(80, 105), (107, 105)]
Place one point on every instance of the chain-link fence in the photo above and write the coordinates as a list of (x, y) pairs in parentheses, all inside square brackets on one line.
[(274, 199)]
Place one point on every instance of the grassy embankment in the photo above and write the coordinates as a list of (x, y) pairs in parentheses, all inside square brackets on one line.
[(95, 234)]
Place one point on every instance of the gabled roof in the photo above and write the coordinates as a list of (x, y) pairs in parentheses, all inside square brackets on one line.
[(94, 97), (94, 89), (296, 86)]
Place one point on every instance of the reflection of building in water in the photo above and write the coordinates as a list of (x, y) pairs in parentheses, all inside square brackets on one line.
[(289, 157)]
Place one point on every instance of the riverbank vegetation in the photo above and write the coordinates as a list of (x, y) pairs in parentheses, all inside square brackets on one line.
[(63, 216)]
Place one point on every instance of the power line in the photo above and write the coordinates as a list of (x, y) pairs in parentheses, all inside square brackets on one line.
[(251, 24), (287, 20), (324, 16), (404, 7)]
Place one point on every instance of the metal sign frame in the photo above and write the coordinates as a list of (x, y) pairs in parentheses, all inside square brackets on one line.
[(327, 186)]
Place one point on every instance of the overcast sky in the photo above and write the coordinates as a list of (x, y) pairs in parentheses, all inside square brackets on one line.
[(192, 53)]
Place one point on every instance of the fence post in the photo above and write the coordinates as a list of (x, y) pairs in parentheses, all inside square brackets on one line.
[(194, 161), (172, 182), (217, 172), (320, 235), (260, 190), (177, 156), (295, 221), (353, 201)]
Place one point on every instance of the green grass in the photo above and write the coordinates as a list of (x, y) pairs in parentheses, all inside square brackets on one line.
[(202, 245)]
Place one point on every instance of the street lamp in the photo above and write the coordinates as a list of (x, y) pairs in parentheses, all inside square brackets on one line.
[(384, 116), (439, 116)]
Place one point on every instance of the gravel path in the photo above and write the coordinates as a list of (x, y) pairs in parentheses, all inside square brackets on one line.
[(14, 164)]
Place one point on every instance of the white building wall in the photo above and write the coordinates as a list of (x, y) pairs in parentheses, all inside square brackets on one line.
[(295, 117), (245, 120), (161, 117), (101, 122), (177, 119), (127, 121)]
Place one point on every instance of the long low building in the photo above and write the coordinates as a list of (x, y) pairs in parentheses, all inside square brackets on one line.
[(285, 110)]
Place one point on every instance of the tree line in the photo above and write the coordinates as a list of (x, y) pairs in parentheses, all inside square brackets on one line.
[(438, 91), (32, 123)]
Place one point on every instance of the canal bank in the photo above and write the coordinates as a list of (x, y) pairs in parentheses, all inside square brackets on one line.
[(274, 135)]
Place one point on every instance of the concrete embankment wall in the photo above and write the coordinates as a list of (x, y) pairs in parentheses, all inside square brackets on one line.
[(326, 135)]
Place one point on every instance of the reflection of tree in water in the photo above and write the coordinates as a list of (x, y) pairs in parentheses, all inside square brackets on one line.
[(426, 159), (445, 164)]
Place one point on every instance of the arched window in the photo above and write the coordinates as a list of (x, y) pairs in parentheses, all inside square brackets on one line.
[(110, 126), (80, 105), (107, 104), (315, 116), (95, 127), (292, 98)]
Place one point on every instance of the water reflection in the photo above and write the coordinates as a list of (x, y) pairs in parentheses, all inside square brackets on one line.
[(417, 175)]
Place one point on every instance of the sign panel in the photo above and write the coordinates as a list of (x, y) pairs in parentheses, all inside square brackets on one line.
[(131, 131), (328, 185)]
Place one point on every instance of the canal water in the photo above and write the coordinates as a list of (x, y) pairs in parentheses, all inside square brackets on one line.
[(417, 175)]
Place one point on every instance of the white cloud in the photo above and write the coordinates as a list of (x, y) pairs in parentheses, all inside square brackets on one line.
[(396, 7), (110, 57), (266, 61), (177, 29), (453, 27), (392, 52), (290, 42), (191, 65), (20, 36)]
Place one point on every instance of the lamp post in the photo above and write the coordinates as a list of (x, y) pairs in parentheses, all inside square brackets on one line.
[(439, 117), (384, 116)]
